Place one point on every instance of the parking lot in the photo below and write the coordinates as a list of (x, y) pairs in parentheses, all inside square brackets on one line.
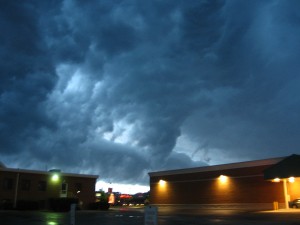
[(166, 216)]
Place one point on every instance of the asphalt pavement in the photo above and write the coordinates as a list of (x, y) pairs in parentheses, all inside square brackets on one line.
[(166, 216)]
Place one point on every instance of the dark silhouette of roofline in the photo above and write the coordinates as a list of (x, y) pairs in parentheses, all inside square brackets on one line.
[(288, 167)]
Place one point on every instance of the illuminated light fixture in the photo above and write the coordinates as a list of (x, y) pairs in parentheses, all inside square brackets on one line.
[(223, 178), (55, 177), (276, 179), (162, 182), (291, 179)]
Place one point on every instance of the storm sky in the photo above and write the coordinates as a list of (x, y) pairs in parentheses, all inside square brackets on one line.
[(122, 88)]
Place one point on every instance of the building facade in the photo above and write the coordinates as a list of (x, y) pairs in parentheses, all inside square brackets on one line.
[(235, 183), (39, 187)]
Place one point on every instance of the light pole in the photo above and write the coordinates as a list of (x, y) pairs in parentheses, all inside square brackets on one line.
[(16, 190)]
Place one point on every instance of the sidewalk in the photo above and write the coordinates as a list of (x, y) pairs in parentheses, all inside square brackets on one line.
[(290, 210)]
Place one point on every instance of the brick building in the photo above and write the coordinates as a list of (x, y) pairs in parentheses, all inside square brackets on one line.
[(235, 183), (19, 185)]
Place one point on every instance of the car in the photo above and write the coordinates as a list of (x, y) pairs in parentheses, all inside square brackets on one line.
[(295, 203)]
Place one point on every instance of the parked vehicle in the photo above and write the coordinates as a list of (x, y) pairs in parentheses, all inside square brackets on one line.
[(295, 203)]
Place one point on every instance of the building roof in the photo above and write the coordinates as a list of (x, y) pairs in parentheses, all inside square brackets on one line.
[(262, 162), (288, 167), (47, 172)]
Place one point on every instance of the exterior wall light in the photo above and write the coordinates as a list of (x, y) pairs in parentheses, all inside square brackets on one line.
[(223, 178), (292, 179), (55, 177), (162, 182)]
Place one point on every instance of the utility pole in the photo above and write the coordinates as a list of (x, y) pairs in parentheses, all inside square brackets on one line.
[(16, 190)]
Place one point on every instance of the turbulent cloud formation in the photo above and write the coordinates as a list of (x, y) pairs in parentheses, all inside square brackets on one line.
[(121, 88)]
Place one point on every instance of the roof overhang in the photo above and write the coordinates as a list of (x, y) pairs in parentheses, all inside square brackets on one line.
[(288, 167)]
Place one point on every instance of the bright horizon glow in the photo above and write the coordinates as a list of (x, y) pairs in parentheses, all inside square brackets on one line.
[(122, 188)]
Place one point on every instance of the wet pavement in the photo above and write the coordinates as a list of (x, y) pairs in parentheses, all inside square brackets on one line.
[(166, 216)]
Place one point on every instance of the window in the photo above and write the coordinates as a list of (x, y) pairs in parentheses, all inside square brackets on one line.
[(42, 185), (64, 187), (64, 190), (8, 184), (25, 185)]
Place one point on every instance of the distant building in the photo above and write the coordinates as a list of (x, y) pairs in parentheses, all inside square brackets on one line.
[(39, 187), (261, 182)]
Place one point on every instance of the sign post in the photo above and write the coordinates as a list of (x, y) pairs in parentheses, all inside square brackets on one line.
[(72, 214), (151, 215)]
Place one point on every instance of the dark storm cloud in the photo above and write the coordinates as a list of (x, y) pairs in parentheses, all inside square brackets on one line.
[(126, 87), (26, 74), (259, 59)]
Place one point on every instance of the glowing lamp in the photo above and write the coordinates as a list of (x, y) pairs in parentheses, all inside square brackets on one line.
[(162, 182), (276, 179), (223, 178), (55, 175), (55, 178), (292, 179)]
